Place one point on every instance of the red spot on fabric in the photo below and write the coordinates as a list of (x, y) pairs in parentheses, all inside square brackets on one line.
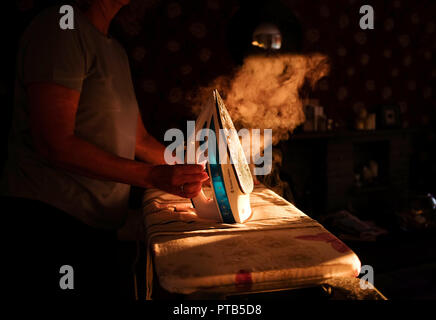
[(243, 278), (337, 244)]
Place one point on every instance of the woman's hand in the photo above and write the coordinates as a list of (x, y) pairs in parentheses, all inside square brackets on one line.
[(180, 179)]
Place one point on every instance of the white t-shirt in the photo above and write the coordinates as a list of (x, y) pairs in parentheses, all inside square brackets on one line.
[(88, 61)]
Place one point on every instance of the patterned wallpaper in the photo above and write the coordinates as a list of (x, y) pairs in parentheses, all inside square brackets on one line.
[(182, 45), (394, 63)]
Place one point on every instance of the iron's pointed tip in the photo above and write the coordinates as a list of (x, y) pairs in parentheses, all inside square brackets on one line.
[(216, 93)]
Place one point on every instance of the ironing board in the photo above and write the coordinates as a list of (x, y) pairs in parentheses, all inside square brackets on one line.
[(278, 247)]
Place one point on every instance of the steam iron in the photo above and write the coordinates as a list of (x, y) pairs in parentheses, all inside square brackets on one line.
[(231, 182)]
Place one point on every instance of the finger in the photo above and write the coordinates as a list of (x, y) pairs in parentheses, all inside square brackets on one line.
[(189, 190), (192, 188), (179, 179), (187, 195), (192, 194), (189, 168), (207, 183), (192, 178), (186, 216)]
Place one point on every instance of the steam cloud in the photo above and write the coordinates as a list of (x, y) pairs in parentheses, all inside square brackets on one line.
[(265, 92)]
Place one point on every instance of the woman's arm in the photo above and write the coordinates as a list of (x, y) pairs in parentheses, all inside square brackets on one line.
[(52, 112)]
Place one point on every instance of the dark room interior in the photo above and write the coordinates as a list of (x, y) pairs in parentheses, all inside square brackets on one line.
[(353, 121)]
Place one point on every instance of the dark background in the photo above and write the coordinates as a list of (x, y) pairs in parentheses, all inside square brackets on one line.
[(181, 45)]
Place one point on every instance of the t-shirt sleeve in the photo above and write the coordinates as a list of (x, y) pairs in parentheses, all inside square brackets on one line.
[(51, 54)]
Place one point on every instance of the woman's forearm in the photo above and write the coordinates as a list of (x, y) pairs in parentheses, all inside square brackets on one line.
[(79, 156), (149, 150)]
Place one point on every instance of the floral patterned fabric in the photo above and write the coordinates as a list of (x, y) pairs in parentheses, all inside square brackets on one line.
[(279, 246)]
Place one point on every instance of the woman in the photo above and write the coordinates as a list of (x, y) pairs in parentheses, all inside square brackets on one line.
[(75, 136)]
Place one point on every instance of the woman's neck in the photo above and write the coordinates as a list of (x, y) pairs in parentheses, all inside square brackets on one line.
[(101, 13)]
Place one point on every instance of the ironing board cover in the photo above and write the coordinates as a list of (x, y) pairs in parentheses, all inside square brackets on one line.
[(278, 244)]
